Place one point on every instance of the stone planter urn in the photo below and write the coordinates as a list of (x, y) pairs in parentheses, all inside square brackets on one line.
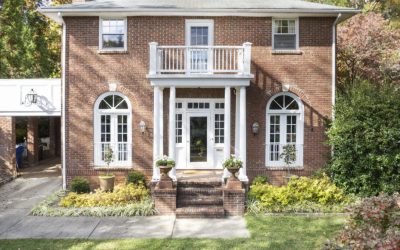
[(165, 181), (233, 182), (107, 182)]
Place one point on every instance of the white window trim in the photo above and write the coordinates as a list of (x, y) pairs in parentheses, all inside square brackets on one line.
[(101, 34), (279, 165), (199, 22), (296, 19), (98, 163)]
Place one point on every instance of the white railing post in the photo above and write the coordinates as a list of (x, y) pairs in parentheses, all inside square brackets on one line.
[(153, 58), (188, 58), (246, 57)]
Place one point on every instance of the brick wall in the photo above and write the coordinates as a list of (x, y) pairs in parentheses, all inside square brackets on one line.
[(89, 72), (7, 149)]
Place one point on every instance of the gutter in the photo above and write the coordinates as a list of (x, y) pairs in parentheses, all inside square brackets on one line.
[(63, 84)]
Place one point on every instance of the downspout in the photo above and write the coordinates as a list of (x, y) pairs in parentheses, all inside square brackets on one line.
[(63, 86), (334, 64), (334, 69)]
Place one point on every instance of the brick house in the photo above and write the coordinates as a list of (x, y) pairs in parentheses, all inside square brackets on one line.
[(197, 81)]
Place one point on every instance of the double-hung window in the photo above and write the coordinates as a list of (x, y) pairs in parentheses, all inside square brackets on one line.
[(285, 125), (285, 34), (112, 130), (113, 34)]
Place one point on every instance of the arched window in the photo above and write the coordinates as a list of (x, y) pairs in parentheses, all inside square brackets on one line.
[(284, 130), (112, 130)]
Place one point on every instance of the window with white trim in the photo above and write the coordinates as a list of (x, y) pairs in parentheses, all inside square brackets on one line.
[(285, 35), (284, 126), (112, 130), (113, 34)]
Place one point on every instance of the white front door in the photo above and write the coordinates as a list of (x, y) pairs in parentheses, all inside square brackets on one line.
[(199, 133), (199, 139)]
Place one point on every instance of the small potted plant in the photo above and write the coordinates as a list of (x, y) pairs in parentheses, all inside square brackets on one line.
[(233, 165), (289, 157), (107, 179), (165, 165)]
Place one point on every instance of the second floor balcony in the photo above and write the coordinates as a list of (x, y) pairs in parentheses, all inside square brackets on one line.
[(199, 61)]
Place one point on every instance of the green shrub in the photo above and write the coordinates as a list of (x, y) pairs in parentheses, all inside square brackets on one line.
[(260, 179), (373, 224), (122, 195), (136, 178), (300, 195), (80, 185), (365, 136)]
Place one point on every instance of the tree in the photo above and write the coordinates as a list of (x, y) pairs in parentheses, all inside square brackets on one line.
[(30, 43), (368, 48)]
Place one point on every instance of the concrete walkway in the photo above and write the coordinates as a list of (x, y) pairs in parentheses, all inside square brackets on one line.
[(20, 195)]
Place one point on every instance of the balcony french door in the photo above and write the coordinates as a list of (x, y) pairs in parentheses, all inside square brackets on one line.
[(199, 33)]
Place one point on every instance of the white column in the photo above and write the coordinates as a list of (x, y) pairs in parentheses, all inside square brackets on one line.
[(237, 117), (242, 134), (227, 128), (161, 108), (156, 133), (171, 132)]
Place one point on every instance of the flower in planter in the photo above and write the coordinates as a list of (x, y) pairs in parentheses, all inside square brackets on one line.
[(232, 162), (165, 161)]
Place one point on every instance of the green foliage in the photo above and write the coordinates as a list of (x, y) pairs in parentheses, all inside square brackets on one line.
[(232, 162), (365, 136), (29, 42), (373, 224), (80, 185), (49, 208), (299, 195), (136, 178), (165, 161), (260, 179), (122, 195)]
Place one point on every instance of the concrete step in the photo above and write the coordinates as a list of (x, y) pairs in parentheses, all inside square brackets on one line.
[(199, 200), (200, 212)]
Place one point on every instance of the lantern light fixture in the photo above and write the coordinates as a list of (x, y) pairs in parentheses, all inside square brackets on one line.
[(255, 127), (142, 127), (31, 97)]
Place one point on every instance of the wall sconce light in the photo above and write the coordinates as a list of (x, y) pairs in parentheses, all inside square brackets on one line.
[(142, 126), (255, 127), (31, 97)]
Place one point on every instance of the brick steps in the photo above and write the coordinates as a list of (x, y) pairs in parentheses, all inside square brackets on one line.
[(200, 212), (199, 199)]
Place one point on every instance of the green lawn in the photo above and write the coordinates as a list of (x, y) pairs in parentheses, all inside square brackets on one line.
[(267, 232)]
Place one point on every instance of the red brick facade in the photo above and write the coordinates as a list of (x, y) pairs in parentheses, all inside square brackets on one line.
[(7, 149), (88, 73)]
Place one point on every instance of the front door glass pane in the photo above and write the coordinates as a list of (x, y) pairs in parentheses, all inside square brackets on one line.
[(198, 139)]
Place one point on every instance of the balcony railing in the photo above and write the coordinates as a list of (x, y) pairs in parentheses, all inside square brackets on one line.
[(199, 59)]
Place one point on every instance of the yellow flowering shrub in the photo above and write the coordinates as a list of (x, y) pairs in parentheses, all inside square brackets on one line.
[(300, 194), (122, 195)]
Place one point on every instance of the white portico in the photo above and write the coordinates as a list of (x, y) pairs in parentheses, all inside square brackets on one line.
[(199, 129)]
